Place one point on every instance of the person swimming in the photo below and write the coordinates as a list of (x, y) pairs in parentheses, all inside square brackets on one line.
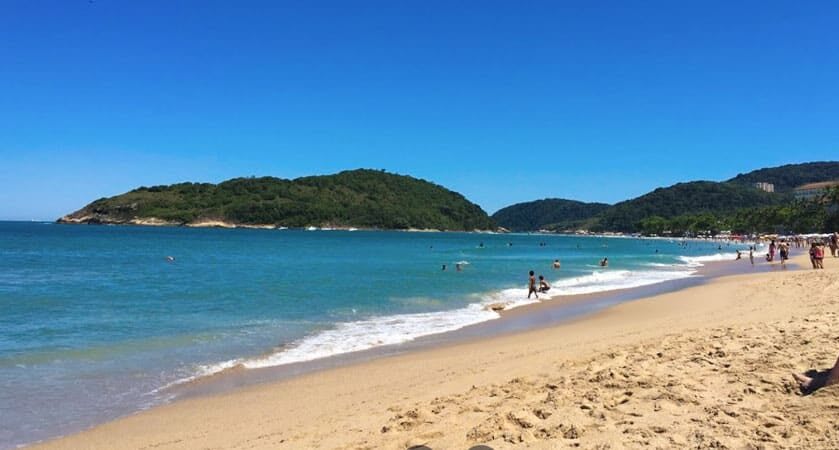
[(556, 264), (604, 262)]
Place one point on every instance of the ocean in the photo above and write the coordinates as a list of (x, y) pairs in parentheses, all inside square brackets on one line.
[(98, 321)]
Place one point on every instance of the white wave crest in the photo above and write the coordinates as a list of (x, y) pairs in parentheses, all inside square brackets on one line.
[(697, 261), (610, 280), (365, 334)]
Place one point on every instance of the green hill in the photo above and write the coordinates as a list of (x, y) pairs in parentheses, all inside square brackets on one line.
[(789, 176), (358, 198), (685, 198), (550, 213)]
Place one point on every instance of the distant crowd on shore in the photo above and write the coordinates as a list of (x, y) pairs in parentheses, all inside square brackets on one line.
[(817, 250), (779, 248)]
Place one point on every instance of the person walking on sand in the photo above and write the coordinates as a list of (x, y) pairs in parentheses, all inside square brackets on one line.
[(819, 256), (771, 251), (752, 255), (531, 286), (784, 251), (809, 384)]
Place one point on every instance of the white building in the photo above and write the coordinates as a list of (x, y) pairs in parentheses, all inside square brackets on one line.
[(768, 187)]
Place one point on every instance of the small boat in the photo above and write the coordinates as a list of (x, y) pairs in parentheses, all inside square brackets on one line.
[(311, 228)]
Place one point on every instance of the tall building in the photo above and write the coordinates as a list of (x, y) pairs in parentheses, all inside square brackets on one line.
[(768, 187), (813, 190)]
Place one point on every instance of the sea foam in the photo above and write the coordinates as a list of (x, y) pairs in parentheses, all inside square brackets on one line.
[(374, 332)]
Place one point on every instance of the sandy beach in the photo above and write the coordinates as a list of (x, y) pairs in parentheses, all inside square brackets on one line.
[(704, 367)]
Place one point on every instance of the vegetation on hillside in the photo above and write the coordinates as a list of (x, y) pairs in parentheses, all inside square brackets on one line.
[(376, 199), (790, 176), (685, 199), (359, 198), (800, 216), (547, 214)]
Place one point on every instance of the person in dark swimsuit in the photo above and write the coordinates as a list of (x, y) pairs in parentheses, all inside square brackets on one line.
[(531, 286)]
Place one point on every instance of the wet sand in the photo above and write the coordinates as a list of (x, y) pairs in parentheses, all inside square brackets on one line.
[(705, 366), (551, 311)]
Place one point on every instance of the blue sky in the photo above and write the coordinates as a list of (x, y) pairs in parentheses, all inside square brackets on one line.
[(501, 101)]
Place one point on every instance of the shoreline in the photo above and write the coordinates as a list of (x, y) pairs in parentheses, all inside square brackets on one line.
[(383, 360), (550, 311)]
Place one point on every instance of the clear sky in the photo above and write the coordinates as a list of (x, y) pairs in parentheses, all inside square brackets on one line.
[(502, 101)]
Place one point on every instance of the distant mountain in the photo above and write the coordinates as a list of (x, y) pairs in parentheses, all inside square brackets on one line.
[(357, 198), (787, 177), (685, 198), (681, 199), (550, 213)]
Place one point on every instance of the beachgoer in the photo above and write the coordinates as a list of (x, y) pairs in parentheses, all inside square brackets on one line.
[(444, 267), (458, 267), (556, 264), (531, 285), (752, 255), (809, 384), (819, 256), (738, 255), (543, 285), (784, 251), (771, 251), (813, 255), (834, 244), (604, 262)]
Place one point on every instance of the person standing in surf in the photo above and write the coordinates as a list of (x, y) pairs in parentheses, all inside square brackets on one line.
[(531, 287)]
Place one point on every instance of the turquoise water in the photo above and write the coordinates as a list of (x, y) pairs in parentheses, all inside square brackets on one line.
[(95, 320)]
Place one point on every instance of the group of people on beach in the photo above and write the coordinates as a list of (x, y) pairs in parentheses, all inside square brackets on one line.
[(533, 288), (543, 286), (817, 248), (781, 248)]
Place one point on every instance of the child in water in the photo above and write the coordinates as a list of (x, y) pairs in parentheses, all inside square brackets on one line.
[(543, 285), (531, 286)]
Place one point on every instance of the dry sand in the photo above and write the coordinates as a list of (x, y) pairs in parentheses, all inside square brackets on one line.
[(704, 367)]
